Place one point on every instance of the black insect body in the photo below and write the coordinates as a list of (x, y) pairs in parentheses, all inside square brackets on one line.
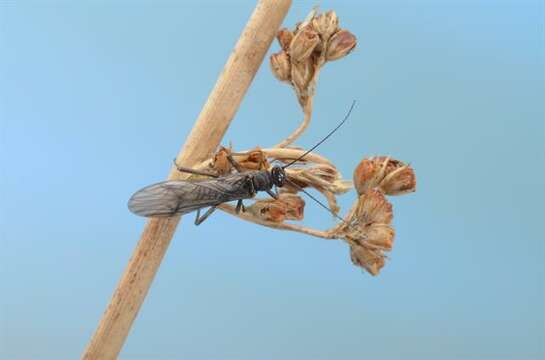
[(177, 197)]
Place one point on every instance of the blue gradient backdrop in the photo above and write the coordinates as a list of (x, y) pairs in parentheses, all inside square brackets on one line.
[(96, 98)]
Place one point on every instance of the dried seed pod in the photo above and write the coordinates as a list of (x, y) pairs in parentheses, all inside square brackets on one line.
[(370, 260), (284, 37), (368, 175), (286, 207), (254, 160), (390, 175), (303, 43), (295, 206), (373, 208), (380, 235), (268, 210), (399, 181), (301, 74), (281, 66), (326, 24), (340, 45), (220, 163)]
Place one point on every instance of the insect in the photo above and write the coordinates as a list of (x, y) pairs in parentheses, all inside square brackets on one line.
[(178, 197)]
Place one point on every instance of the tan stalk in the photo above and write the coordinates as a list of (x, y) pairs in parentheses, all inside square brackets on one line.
[(307, 110), (204, 138)]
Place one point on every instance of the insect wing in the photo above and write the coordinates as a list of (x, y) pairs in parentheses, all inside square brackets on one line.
[(171, 198)]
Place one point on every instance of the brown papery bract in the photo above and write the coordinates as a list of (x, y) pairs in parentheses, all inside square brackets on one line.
[(284, 38), (220, 163), (340, 45), (303, 44), (379, 235), (373, 208), (326, 24), (254, 159), (368, 259), (286, 207), (392, 176), (281, 66), (400, 181)]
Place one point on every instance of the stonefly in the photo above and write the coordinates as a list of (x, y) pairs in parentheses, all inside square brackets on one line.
[(178, 197)]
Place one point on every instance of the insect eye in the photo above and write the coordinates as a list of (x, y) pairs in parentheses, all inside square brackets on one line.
[(263, 211)]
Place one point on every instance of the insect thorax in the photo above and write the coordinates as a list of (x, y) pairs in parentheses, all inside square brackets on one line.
[(262, 180)]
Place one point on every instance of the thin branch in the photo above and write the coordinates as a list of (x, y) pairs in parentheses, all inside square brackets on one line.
[(307, 110), (286, 154), (205, 136), (295, 153)]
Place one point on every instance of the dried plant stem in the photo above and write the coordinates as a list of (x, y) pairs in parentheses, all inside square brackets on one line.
[(276, 153), (307, 110), (275, 225), (212, 123), (294, 153)]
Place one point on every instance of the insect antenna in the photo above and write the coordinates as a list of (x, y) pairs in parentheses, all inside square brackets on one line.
[(325, 138), (325, 207), (318, 201)]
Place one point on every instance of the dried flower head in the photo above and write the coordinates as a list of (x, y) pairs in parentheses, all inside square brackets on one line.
[(367, 231), (368, 259), (322, 177), (309, 46), (390, 175), (281, 66), (379, 236), (368, 222), (326, 24), (368, 175), (295, 206), (254, 159), (373, 207), (340, 45), (400, 181), (220, 163), (303, 44), (286, 207)]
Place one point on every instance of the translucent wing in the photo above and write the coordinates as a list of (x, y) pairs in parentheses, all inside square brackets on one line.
[(171, 198)]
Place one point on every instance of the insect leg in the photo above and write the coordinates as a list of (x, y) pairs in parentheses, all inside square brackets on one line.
[(199, 219), (240, 206), (272, 193), (235, 164), (193, 171)]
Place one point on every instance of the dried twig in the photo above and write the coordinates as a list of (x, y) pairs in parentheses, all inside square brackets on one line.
[(212, 123)]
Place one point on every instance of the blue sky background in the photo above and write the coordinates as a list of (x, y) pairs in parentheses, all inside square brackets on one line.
[(97, 97)]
